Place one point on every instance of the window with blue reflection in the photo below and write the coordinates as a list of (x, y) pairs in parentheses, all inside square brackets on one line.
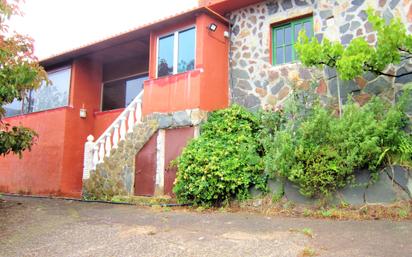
[(176, 52), (186, 54), (165, 56), (133, 88), (120, 93), (13, 109)]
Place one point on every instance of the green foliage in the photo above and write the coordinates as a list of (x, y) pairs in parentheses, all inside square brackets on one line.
[(19, 73), (393, 45), (16, 139), (321, 153), (224, 162), (403, 214)]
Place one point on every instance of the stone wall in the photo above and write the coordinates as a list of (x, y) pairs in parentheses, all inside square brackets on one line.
[(393, 184), (256, 83), (115, 176)]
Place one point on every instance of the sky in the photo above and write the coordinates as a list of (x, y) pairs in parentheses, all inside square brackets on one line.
[(61, 25)]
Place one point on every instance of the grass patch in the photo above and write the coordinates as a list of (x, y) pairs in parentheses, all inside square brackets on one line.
[(308, 252), (307, 232), (397, 211), (145, 201)]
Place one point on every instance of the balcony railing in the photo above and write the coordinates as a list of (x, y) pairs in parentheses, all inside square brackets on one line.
[(96, 151)]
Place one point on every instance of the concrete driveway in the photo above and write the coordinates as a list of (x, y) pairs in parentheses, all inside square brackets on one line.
[(43, 227)]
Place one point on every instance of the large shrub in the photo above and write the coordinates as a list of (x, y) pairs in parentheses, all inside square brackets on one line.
[(224, 162), (319, 151)]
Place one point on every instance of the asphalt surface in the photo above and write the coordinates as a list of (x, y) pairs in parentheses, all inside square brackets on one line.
[(43, 227)]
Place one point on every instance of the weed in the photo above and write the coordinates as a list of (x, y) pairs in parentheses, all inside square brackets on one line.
[(307, 232), (223, 209), (308, 252), (307, 212), (402, 213), (327, 213), (289, 205), (200, 209), (276, 197), (167, 209)]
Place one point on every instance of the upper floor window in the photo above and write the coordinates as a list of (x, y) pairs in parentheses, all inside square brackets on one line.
[(120, 93), (285, 37), (46, 97), (176, 52)]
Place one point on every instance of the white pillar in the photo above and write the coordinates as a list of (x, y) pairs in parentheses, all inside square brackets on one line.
[(160, 162), (88, 157), (108, 145), (116, 136), (139, 111), (101, 151), (130, 121), (123, 129), (196, 132)]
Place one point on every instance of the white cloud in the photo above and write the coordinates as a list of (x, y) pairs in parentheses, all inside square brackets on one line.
[(59, 25)]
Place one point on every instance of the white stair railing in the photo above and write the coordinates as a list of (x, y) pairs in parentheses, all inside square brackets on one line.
[(95, 152)]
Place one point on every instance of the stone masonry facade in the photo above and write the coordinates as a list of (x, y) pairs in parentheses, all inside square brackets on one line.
[(256, 83), (116, 175)]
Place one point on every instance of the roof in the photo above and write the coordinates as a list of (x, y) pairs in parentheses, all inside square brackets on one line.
[(127, 36), (224, 6)]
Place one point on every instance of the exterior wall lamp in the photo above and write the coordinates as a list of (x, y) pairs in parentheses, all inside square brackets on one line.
[(212, 27)]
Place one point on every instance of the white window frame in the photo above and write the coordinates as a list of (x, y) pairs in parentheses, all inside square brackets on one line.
[(175, 48)]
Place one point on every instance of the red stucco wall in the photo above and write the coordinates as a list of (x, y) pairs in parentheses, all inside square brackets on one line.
[(213, 55), (206, 87), (40, 170), (85, 93), (102, 120), (55, 164)]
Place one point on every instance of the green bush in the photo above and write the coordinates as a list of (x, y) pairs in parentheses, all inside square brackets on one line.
[(224, 162), (322, 152)]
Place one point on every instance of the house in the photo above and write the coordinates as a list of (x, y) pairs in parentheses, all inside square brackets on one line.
[(123, 108)]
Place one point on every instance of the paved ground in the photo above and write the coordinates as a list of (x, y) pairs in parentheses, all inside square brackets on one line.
[(42, 227)]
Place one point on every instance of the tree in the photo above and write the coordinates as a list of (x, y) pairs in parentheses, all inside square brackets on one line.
[(20, 72), (393, 46)]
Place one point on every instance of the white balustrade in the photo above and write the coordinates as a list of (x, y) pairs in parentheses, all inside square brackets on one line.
[(138, 113), (123, 129), (116, 136), (95, 152), (88, 157), (130, 121), (108, 145), (101, 151)]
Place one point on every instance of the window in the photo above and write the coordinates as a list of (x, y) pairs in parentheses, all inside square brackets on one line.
[(120, 93), (52, 96), (46, 97), (176, 52), (285, 37), (13, 109)]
